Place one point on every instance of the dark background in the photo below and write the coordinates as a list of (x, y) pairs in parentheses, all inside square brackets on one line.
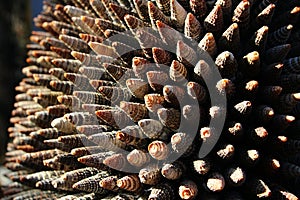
[(15, 27)]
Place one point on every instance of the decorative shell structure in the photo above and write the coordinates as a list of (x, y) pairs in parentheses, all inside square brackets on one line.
[(109, 84)]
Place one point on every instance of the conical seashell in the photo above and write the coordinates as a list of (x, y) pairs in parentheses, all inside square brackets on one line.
[(182, 144), (75, 44), (264, 113), (99, 8), (57, 72), (259, 40), (167, 33), (178, 14), (66, 87), (102, 49), (65, 53), (82, 25), (63, 125), (77, 175), (90, 38), (197, 91), (35, 177), (173, 171), (215, 182), (138, 158), (150, 175), (226, 7), (169, 118), (73, 11), (153, 129), (109, 183), (277, 53), (91, 184), (90, 24), (185, 54), (164, 6), (129, 183), (162, 191), (226, 87), (116, 161), (173, 94), (107, 140), (192, 28), (251, 64), (280, 36), (135, 111), (199, 8), (113, 117), (67, 64), (72, 102), (158, 150), (258, 188), (141, 7), (178, 72), (133, 22), (131, 135), (157, 79), (140, 66), (82, 151), (214, 20), (226, 64), (155, 14), (208, 44), (95, 160), (90, 97), (138, 87), (118, 73), (265, 16), (153, 102), (161, 57), (241, 14), (292, 65), (188, 189)]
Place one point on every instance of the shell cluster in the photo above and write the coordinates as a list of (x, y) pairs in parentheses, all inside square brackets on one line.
[(93, 106)]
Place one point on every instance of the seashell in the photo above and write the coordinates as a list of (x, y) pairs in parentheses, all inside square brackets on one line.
[(92, 28), (164, 6), (208, 44), (153, 129), (106, 24), (236, 176), (67, 64), (82, 25), (150, 175), (92, 129), (241, 14), (75, 44), (162, 191), (138, 158), (161, 56), (264, 113), (65, 53), (178, 72), (215, 182), (109, 183), (66, 87), (291, 65), (157, 79), (153, 102), (135, 111), (120, 11), (82, 151), (197, 91), (138, 87), (251, 64), (63, 125), (107, 140), (226, 64), (140, 66), (258, 40), (72, 102), (226, 153), (131, 135), (57, 72), (280, 36), (116, 161), (167, 33), (35, 177), (113, 117), (281, 122), (90, 97), (169, 118), (70, 32), (178, 14), (188, 190), (95, 160), (99, 8), (277, 53), (181, 143), (185, 54), (199, 8), (90, 38), (226, 87), (130, 183), (158, 150), (243, 108), (79, 174), (91, 184), (192, 28), (98, 83), (226, 6), (156, 15), (173, 94), (214, 20), (118, 73), (259, 188), (73, 11), (173, 171), (287, 102)]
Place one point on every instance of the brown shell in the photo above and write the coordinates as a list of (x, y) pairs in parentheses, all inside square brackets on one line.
[(138, 158), (169, 117), (150, 175), (174, 170), (214, 20), (188, 189), (158, 150), (130, 183)]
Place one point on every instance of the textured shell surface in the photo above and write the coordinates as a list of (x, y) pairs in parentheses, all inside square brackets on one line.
[(114, 88)]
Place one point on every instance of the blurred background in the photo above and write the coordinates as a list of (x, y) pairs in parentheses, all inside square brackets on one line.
[(16, 18)]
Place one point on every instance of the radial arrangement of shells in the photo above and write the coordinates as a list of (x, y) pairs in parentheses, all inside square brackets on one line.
[(100, 111)]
